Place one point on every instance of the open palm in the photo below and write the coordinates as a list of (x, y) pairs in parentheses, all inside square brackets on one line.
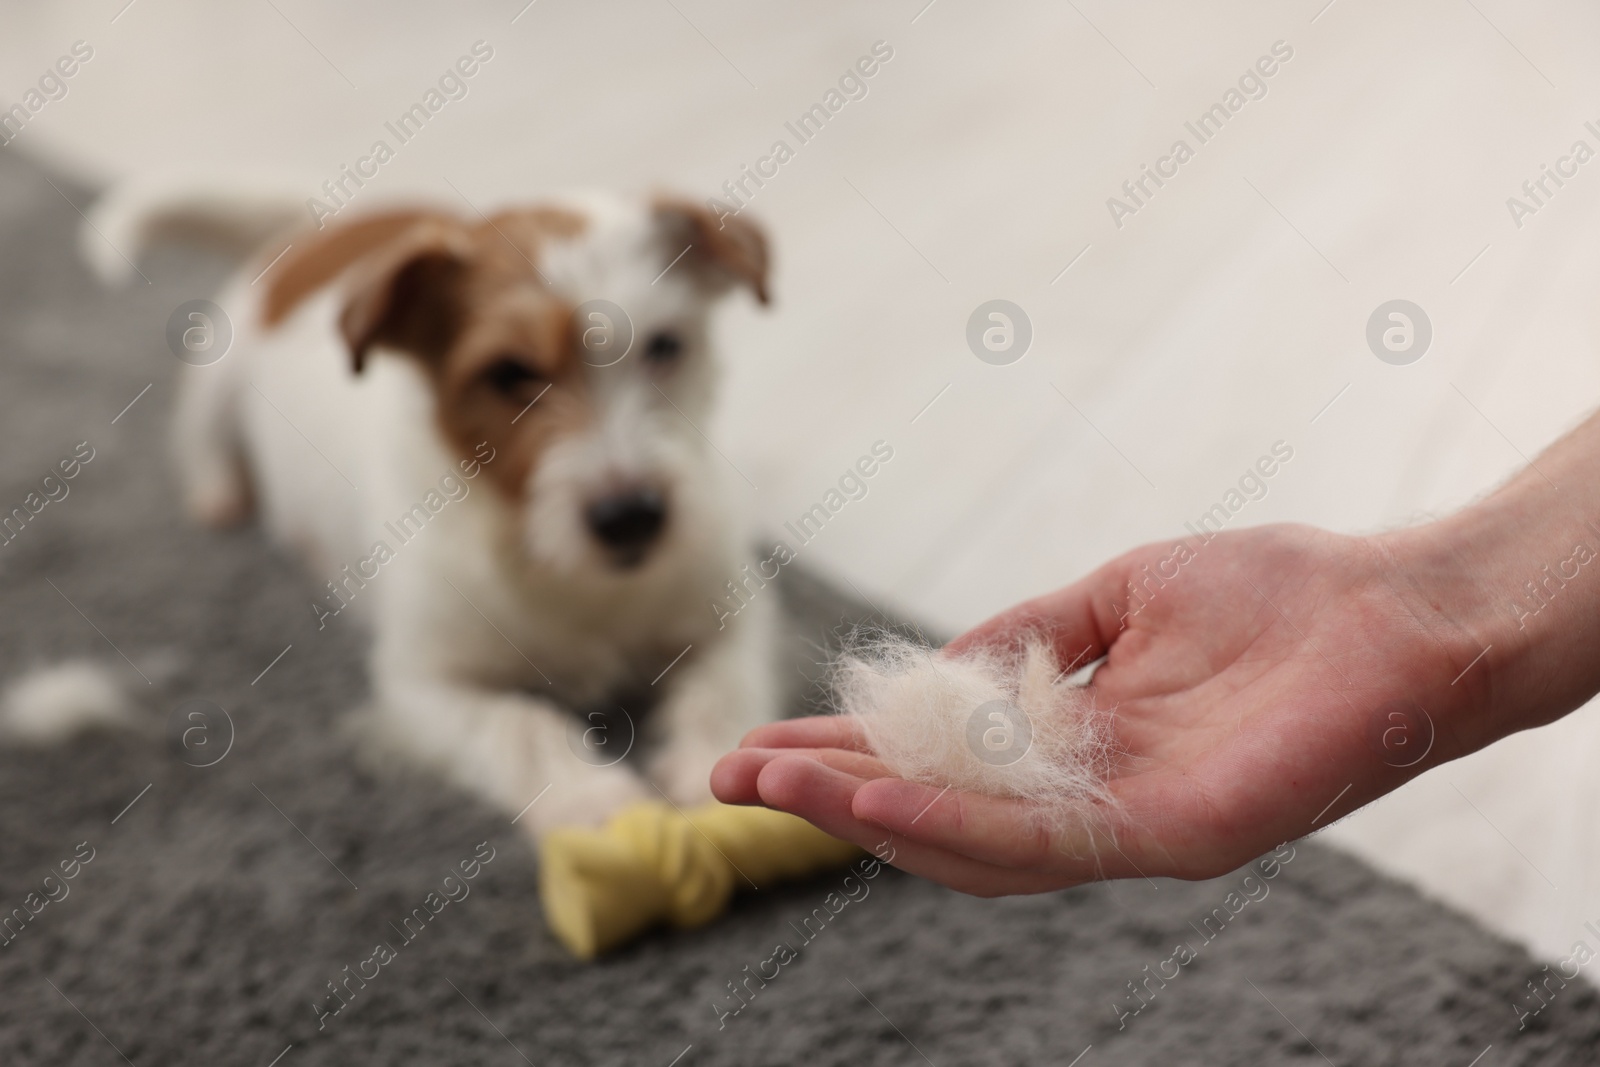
[(1263, 684)]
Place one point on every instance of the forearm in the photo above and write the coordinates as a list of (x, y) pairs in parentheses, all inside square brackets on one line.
[(1520, 572)]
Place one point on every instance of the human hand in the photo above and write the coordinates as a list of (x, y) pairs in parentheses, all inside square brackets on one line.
[(1264, 683)]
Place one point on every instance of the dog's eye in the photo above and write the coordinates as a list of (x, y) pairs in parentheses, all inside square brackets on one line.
[(663, 347), (509, 377)]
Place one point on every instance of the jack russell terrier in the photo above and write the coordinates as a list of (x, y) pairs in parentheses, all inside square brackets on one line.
[(384, 358)]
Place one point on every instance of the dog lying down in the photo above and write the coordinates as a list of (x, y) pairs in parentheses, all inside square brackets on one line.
[(507, 483)]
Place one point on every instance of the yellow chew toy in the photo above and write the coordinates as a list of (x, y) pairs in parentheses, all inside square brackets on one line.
[(652, 863)]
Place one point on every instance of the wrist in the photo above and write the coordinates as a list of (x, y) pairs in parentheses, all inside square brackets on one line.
[(1517, 575)]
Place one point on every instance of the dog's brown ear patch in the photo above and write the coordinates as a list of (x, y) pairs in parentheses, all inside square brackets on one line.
[(527, 229), (734, 248), (409, 296), (315, 259)]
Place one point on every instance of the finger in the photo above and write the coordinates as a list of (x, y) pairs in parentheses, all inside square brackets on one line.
[(997, 831), (817, 731), (822, 796), (1080, 620), (1004, 832), (733, 779)]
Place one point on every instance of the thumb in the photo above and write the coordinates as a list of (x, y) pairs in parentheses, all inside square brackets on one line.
[(1080, 620)]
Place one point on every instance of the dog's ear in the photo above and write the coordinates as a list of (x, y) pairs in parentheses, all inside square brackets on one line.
[(724, 248), (408, 294)]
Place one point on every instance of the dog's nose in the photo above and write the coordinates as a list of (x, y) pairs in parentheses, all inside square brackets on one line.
[(627, 522)]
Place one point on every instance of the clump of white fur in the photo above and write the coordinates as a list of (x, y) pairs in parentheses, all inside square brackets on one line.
[(917, 708), (51, 704)]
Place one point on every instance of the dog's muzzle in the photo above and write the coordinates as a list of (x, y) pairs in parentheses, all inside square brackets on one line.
[(628, 523)]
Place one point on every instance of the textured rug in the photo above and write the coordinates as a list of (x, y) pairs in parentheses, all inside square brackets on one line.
[(211, 905)]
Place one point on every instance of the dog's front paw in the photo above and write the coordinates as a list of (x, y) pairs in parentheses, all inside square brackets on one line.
[(586, 799)]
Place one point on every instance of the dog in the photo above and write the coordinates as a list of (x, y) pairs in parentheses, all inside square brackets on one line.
[(512, 488)]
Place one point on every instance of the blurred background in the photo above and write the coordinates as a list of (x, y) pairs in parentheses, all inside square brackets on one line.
[(1173, 341)]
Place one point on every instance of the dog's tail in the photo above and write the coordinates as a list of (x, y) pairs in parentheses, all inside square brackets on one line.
[(240, 216)]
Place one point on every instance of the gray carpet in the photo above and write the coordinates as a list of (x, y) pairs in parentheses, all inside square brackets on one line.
[(207, 922)]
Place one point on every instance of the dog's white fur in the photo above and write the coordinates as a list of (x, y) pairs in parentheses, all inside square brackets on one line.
[(498, 617)]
